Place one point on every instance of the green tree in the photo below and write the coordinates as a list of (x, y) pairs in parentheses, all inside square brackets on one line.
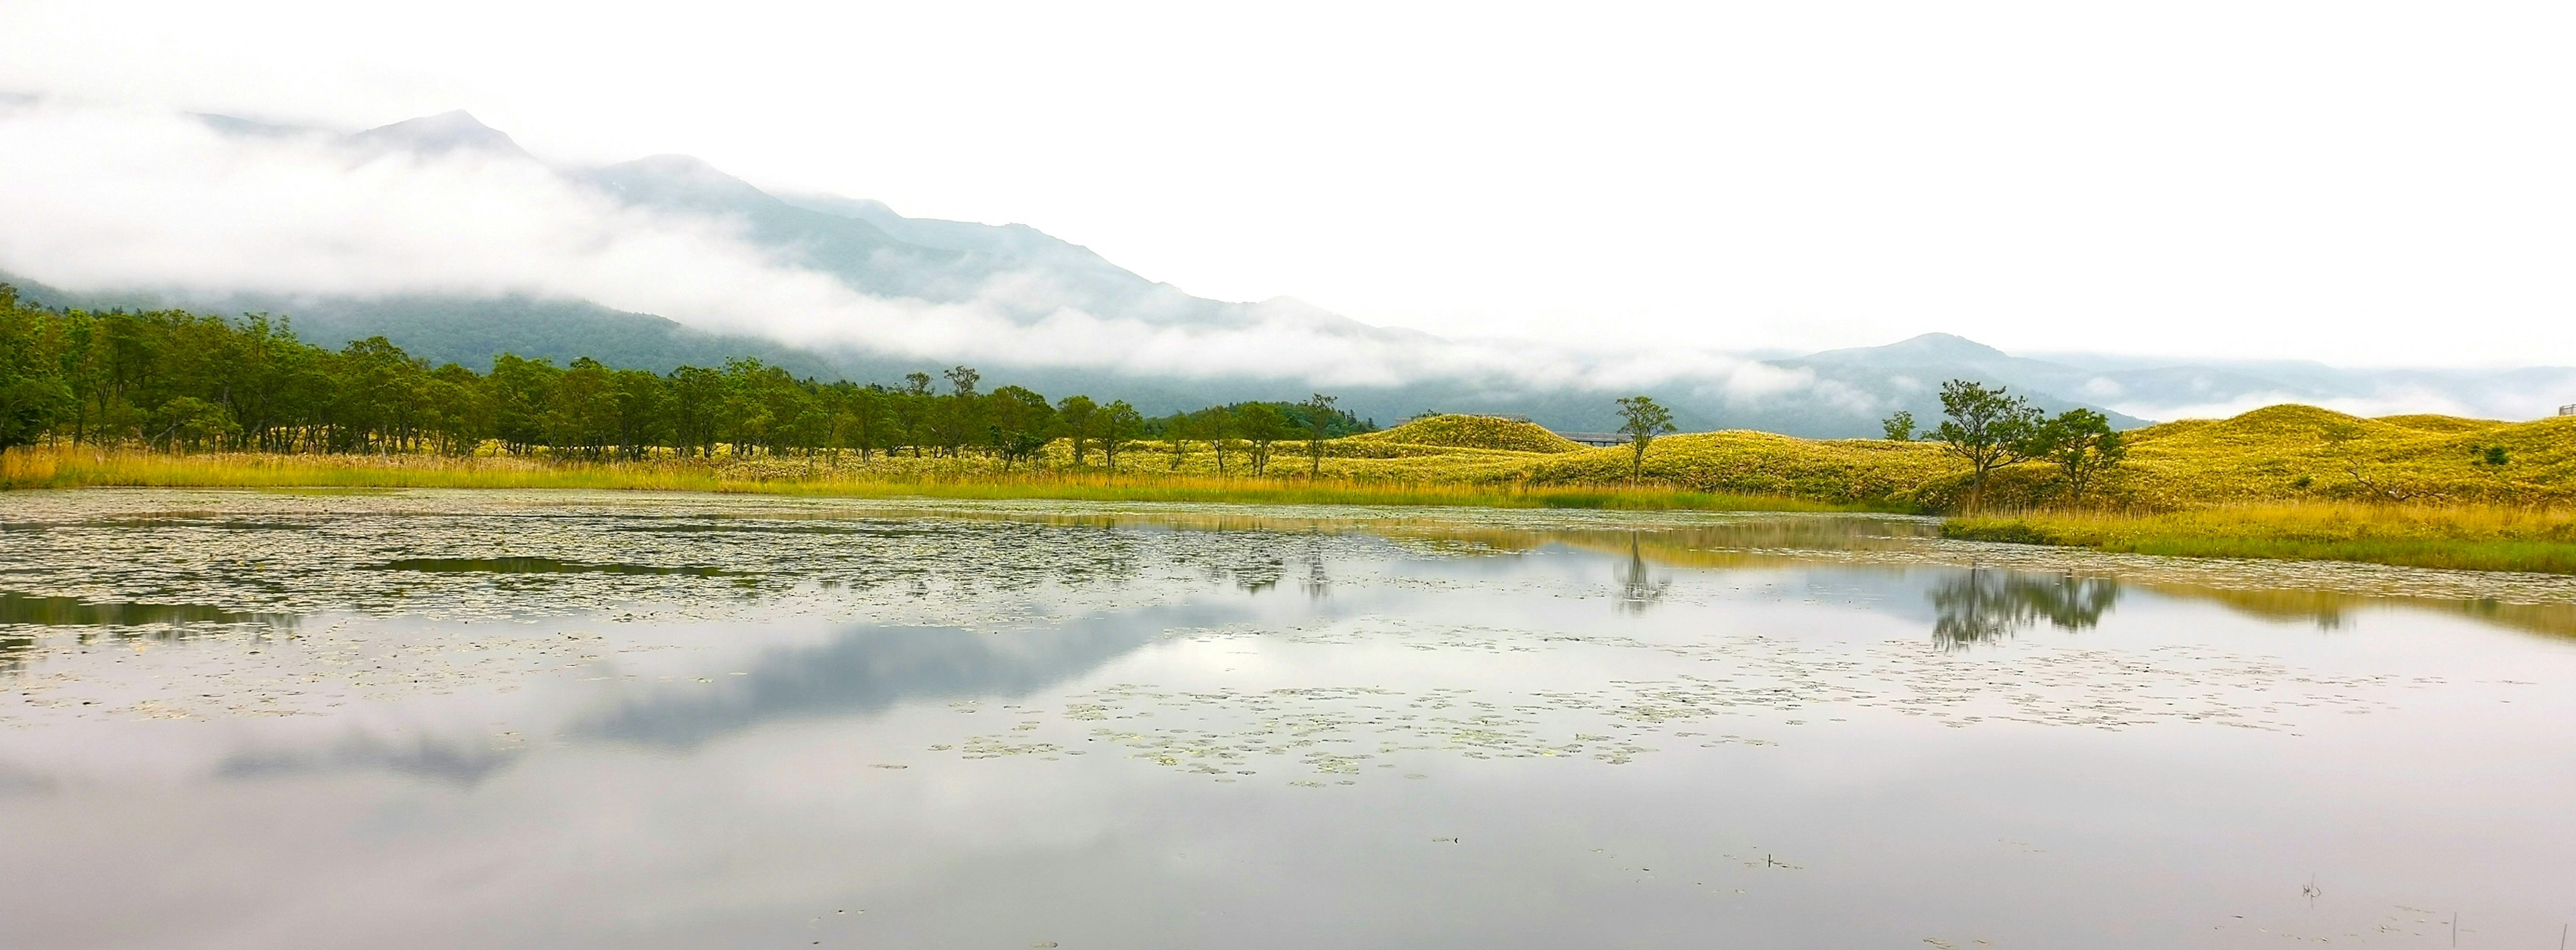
[(1899, 427), (1988, 428), (697, 406), (1075, 413), (1118, 423), (1260, 425), (2082, 444), (640, 411), (957, 416), (911, 407), (582, 415), (1641, 419), (1319, 420), (1216, 425), (1177, 429), (520, 391), (866, 423), (186, 423), (1018, 423), (32, 398)]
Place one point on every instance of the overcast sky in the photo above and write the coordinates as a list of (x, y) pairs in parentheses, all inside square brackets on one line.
[(2350, 182)]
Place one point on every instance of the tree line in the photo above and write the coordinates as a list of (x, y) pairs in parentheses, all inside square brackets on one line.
[(182, 381)]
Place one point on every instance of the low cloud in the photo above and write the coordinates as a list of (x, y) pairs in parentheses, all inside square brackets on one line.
[(2392, 401), (116, 199)]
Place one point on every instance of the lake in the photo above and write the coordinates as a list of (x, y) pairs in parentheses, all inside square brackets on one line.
[(530, 719)]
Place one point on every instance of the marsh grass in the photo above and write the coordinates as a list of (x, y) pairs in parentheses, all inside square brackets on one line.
[(73, 468), (2463, 536)]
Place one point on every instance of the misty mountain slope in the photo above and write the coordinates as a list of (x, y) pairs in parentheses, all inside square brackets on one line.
[(1908, 374), (874, 294), (470, 331), (432, 135)]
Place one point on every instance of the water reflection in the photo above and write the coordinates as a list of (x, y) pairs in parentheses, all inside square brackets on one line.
[(1639, 588), (537, 565), (1985, 604), (74, 612), (155, 621)]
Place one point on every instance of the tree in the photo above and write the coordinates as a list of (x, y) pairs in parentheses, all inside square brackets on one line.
[(696, 406), (2081, 443), (1076, 413), (1899, 427), (186, 423), (1319, 419), (1216, 425), (1019, 422), (1986, 427), (30, 399), (1177, 430), (520, 390), (1118, 422), (911, 407), (958, 415), (1260, 424), (1641, 419)]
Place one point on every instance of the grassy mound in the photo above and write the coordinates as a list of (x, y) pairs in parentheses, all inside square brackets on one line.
[(2438, 423), (2303, 452), (1472, 432), (1845, 471)]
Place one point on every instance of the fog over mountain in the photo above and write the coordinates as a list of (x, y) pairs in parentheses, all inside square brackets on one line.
[(442, 234)]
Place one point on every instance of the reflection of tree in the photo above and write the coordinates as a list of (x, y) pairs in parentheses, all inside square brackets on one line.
[(1260, 575), (1983, 605), (1638, 586)]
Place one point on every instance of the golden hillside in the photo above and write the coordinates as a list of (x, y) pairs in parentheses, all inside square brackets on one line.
[(1466, 432)]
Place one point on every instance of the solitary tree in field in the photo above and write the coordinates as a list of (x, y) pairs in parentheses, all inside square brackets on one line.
[(1641, 419), (2081, 443), (1987, 427), (1118, 422), (1899, 427), (1319, 416)]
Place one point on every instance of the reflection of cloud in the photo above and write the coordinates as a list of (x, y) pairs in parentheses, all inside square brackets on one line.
[(459, 763), (858, 671), (134, 200), (869, 669)]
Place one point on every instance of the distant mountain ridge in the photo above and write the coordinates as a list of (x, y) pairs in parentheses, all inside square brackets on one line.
[(873, 249)]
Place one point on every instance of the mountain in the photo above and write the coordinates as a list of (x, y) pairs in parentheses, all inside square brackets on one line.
[(1030, 279)]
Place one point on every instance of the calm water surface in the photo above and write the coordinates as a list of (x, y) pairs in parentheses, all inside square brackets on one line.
[(263, 720)]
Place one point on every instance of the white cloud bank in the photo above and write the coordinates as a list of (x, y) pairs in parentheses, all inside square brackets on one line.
[(101, 198)]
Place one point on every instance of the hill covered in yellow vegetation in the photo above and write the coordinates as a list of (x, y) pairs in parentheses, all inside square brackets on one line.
[(2279, 453)]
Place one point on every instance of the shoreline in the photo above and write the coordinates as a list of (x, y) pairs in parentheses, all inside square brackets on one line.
[(2448, 535)]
